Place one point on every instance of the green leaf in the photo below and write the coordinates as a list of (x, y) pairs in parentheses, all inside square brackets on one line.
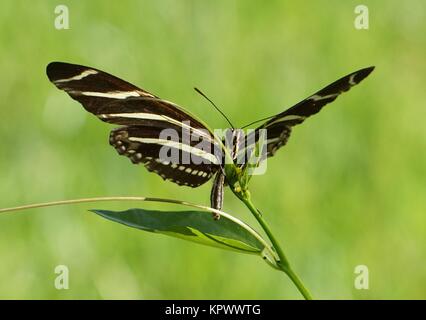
[(197, 226)]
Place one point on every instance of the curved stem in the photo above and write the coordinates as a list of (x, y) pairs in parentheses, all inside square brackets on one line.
[(299, 284), (104, 199), (283, 264), (265, 227)]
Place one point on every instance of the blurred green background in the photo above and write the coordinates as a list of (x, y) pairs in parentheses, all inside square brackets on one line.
[(349, 188)]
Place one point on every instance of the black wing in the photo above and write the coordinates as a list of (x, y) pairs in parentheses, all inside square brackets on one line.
[(143, 116), (279, 127), (190, 165)]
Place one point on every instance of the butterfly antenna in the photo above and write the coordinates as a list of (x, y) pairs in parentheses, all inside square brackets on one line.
[(220, 111), (251, 123)]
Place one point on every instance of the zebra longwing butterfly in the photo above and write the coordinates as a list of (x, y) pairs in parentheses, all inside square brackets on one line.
[(143, 116)]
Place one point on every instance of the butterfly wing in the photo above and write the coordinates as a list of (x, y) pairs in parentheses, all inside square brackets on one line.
[(143, 117), (182, 163), (91, 87), (278, 128)]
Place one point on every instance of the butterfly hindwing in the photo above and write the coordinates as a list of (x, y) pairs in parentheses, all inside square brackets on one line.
[(189, 165)]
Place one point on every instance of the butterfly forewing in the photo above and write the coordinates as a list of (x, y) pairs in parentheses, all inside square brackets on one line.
[(279, 127), (91, 87), (144, 117)]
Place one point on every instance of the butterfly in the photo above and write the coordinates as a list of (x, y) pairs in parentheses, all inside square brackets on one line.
[(143, 117)]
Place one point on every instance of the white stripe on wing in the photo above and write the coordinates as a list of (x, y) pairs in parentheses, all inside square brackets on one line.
[(178, 145)]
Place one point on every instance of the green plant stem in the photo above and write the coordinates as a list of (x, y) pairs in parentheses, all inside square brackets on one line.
[(130, 198), (105, 199), (283, 264)]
